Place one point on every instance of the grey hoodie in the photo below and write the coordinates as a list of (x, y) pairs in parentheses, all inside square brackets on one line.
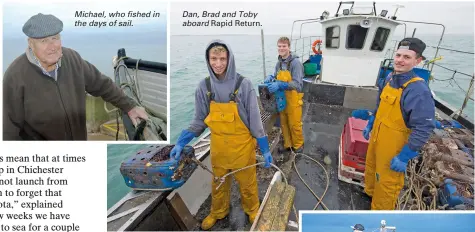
[(296, 70), (246, 99)]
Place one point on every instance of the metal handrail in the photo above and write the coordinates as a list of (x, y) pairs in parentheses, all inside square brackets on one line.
[(441, 36), (300, 20), (404, 23), (302, 52)]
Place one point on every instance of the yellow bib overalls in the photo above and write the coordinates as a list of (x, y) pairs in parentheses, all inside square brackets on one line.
[(388, 137), (232, 147), (291, 117)]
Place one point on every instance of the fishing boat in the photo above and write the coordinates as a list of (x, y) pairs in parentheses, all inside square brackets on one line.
[(146, 83), (362, 41), (382, 228)]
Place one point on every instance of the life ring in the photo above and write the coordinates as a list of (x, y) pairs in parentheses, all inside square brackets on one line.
[(314, 45)]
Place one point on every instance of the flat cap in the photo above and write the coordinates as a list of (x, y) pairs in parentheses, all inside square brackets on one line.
[(41, 25)]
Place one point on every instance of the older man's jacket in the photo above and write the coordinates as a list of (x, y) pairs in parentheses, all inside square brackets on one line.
[(36, 107)]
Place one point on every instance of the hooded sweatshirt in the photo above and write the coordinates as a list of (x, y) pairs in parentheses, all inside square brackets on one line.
[(417, 105), (246, 98), (296, 70)]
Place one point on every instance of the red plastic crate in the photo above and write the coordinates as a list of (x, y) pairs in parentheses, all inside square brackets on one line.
[(347, 173), (358, 164), (353, 161), (356, 144)]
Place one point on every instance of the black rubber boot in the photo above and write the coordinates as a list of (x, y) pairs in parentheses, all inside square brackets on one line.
[(299, 150)]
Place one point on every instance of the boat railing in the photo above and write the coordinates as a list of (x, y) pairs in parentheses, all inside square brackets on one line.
[(456, 75), (303, 46), (303, 49), (154, 127)]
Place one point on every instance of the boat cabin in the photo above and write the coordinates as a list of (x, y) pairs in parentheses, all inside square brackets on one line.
[(354, 45)]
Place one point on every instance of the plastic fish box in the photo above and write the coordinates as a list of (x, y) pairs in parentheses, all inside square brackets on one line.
[(356, 144), (346, 173), (352, 161), (151, 168)]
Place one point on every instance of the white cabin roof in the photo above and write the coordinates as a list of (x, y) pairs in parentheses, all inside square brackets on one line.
[(353, 48)]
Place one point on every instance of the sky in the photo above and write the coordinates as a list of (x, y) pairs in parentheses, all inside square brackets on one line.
[(411, 222), (277, 17), (16, 14)]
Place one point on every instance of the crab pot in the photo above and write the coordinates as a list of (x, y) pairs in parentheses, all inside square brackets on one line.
[(271, 102), (151, 168)]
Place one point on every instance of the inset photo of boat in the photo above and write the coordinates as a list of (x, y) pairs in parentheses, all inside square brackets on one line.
[(387, 221), (78, 71)]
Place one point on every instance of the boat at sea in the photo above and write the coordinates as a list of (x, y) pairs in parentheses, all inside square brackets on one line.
[(339, 79)]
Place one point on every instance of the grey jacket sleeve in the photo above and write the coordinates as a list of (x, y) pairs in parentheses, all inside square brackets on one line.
[(297, 75), (276, 69), (13, 110), (252, 110), (198, 125)]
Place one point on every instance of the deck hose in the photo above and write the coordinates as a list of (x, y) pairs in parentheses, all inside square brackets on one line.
[(320, 199)]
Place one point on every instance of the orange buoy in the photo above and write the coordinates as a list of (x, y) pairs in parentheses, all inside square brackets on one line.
[(314, 45)]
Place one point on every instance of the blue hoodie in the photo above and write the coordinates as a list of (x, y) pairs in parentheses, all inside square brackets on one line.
[(418, 108)]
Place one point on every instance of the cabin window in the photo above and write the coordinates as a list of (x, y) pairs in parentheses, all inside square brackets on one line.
[(332, 35), (356, 37), (380, 39)]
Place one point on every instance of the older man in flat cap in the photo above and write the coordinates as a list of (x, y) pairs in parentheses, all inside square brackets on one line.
[(44, 89)]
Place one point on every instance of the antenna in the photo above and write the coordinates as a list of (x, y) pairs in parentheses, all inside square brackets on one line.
[(397, 7)]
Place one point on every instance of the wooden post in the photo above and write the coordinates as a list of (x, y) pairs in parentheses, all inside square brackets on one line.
[(180, 213)]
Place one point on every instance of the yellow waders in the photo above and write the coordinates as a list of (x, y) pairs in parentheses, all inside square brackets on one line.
[(291, 117), (232, 147), (388, 137)]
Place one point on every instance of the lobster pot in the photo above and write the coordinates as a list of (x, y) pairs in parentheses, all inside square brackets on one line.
[(151, 168), (272, 103)]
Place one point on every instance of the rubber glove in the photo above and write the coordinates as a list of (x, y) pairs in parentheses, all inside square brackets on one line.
[(185, 137), (438, 125), (264, 147), (368, 127), (269, 79), (445, 124), (277, 85), (399, 162), (361, 114)]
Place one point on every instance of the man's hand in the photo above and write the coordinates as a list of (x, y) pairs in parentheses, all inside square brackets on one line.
[(136, 113)]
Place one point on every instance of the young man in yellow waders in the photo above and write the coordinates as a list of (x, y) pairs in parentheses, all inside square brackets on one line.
[(288, 76), (226, 102), (403, 123)]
